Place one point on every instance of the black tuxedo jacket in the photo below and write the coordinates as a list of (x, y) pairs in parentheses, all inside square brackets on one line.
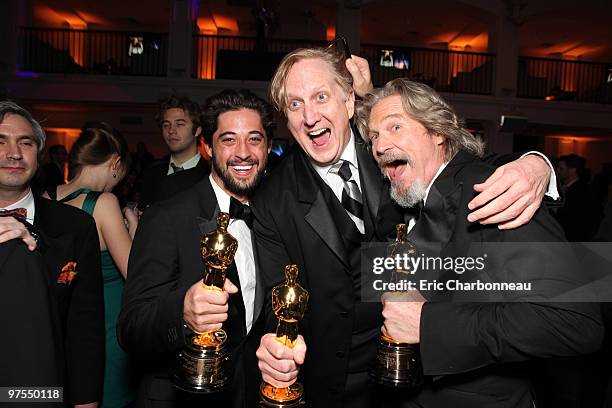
[(157, 185), (477, 353), (294, 224), (69, 235), (31, 342), (164, 262)]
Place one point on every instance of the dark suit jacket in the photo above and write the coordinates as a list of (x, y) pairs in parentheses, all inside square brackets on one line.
[(580, 214), (476, 352), (164, 262), (157, 185), (70, 235), (31, 341), (294, 224)]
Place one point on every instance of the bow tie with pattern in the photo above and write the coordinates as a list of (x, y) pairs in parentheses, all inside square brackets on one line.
[(15, 212), (241, 211)]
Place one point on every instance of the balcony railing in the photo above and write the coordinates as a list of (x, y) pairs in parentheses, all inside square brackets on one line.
[(576, 81), (93, 52), (228, 57), (232, 57), (245, 58), (443, 70)]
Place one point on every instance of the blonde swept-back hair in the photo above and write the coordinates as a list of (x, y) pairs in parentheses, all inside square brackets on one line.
[(427, 107), (330, 55)]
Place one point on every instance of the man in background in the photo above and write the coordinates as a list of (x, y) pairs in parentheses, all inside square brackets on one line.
[(184, 166)]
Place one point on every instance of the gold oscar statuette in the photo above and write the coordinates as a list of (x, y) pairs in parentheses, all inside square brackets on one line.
[(289, 302), (202, 366), (398, 364)]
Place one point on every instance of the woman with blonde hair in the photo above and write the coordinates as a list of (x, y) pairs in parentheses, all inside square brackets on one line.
[(97, 162)]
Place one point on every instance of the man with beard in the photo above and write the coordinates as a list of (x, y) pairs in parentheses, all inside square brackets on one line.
[(184, 166), (316, 209), (164, 299), (474, 347)]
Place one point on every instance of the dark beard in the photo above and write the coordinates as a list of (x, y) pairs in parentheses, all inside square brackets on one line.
[(241, 190)]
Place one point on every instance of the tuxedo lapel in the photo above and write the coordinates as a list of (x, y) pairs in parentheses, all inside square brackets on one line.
[(372, 185), (317, 213), (436, 225)]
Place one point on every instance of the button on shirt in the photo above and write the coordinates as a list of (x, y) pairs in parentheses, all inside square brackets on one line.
[(335, 182), (189, 164), (244, 259), (26, 202)]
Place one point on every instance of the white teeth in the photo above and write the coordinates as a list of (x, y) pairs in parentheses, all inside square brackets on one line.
[(317, 132), (243, 168)]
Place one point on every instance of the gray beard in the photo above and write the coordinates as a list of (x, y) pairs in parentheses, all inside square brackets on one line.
[(408, 197)]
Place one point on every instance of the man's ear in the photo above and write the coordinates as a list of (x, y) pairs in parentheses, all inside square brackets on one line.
[(207, 148), (198, 131), (350, 104)]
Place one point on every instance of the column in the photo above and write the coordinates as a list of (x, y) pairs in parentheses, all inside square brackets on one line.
[(14, 13), (504, 42), (182, 26), (348, 23)]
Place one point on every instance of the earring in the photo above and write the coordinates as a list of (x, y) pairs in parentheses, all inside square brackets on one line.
[(114, 175)]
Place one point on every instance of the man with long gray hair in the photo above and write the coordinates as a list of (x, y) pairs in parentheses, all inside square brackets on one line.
[(469, 344)]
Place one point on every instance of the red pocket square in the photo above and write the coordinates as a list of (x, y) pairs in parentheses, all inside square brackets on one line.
[(68, 273)]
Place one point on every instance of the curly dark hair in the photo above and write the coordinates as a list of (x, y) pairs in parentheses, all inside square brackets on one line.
[(180, 102), (232, 100)]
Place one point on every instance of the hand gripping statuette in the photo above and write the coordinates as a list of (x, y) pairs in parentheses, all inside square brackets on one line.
[(398, 364), (289, 302), (202, 366)]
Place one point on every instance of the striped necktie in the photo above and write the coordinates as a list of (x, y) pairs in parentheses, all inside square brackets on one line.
[(352, 201)]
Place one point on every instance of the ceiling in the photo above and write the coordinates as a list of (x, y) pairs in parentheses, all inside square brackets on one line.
[(547, 28)]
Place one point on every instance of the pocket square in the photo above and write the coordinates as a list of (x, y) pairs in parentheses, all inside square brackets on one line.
[(68, 273)]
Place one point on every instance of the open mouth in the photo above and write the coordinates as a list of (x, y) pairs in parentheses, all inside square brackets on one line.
[(395, 168), (320, 137)]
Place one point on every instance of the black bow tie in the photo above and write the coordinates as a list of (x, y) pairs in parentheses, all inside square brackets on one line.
[(413, 212), (241, 211)]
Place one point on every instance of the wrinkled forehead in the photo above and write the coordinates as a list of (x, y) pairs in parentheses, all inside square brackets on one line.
[(310, 73), (16, 124)]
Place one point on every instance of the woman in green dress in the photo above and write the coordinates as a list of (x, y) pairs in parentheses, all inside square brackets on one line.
[(98, 160)]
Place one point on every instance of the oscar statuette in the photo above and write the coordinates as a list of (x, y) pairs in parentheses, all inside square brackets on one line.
[(289, 301), (202, 366), (398, 364)]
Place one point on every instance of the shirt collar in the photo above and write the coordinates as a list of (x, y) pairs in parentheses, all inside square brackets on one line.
[(189, 164), (223, 199), (349, 154), (26, 202)]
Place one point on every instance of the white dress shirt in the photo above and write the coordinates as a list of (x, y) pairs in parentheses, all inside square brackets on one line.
[(26, 202), (189, 164), (335, 182), (244, 260)]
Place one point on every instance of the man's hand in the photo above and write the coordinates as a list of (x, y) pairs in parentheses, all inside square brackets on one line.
[(402, 319), (204, 309), (10, 228), (512, 194), (278, 363), (360, 71)]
